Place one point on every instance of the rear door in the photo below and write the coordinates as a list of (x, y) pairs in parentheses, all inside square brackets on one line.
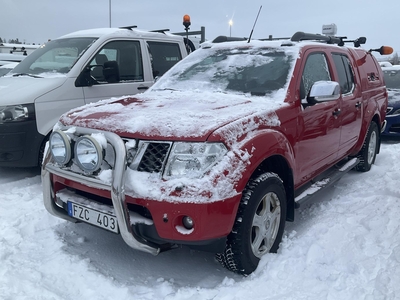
[(351, 108)]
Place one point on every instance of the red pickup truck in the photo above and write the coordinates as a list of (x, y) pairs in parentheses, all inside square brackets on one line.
[(219, 153)]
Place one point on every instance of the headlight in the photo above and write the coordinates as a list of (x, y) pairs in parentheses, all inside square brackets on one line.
[(17, 113), (60, 147), (193, 159), (88, 154)]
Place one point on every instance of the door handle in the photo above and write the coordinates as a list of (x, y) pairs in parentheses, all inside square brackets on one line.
[(142, 87), (358, 104), (336, 112)]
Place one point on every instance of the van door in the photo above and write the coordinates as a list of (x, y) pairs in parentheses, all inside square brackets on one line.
[(117, 70), (163, 56)]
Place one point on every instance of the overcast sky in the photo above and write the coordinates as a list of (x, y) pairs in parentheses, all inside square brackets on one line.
[(40, 20)]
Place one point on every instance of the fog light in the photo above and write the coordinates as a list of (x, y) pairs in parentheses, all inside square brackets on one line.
[(187, 222)]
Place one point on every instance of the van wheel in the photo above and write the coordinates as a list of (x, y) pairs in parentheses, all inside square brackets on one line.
[(259, 224), (368, 152)]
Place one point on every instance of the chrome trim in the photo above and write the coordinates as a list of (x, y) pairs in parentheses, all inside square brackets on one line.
[(116, 188), (384, 123)]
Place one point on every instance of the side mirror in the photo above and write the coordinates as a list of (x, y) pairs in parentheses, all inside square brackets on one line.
[(84, 79), (322, 91)]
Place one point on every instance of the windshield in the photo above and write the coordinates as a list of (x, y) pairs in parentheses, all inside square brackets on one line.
[(258, 71), (392, 78), (54, 57)]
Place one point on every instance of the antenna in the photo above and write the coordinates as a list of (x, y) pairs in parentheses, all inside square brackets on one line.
[(251, 33)]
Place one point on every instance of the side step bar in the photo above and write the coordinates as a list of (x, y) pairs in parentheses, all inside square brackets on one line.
[(328, 179)]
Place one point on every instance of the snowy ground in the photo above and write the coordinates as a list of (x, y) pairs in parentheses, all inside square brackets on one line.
[(346, 246)]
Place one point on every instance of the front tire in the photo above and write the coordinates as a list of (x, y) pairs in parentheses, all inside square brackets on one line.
[(368, 152), (259, 224)]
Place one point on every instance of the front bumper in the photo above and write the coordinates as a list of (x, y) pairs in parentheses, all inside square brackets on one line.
[(213, 220), (392, 126), (19, 144)]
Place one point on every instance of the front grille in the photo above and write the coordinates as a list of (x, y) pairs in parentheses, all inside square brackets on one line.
[(154, 157)]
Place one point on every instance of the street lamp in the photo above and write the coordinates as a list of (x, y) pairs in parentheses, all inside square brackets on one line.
[(230, 26)]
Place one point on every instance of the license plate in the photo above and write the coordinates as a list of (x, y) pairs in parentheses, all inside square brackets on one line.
[(93, 216)]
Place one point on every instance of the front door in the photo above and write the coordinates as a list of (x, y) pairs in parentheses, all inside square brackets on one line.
[(319, 124), (132, 76)]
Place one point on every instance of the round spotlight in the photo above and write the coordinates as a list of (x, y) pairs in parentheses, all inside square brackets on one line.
[(88, 154), (60, 147), (187, 222)]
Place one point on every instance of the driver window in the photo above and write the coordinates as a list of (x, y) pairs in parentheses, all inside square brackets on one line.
[(125, 60), (315, 69)]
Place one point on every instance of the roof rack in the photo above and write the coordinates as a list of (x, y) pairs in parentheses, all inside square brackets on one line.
[(270, 38), (339, 40), (300, 36), (128, 27), (159, 30), (223, 38)]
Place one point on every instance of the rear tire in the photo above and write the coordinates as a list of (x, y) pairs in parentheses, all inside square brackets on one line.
[(368, 152), (259, 224)]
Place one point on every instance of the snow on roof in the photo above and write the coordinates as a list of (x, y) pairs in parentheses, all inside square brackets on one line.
[(134, 32)]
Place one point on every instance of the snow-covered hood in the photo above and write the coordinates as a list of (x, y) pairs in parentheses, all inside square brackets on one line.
[(177, 115), (24, 89)]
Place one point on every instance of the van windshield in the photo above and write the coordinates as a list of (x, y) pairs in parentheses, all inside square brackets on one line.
[(54, 58)]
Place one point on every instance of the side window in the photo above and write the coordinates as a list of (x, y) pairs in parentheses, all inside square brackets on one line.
[(315, 69), (123, 57), (345, 72), (163, 56)]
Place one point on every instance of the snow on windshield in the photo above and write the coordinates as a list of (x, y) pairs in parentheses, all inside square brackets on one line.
[(247, 69)]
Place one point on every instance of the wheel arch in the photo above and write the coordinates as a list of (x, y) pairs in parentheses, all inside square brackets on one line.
[(363, 134), (271, 151), (377, 120)]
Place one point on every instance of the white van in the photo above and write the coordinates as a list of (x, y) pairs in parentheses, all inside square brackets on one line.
[(73, 70)]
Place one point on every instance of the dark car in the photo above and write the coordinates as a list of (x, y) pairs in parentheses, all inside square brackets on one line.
[(392, 79)]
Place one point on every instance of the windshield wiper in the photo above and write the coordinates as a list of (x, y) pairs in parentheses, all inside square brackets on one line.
[(26, 74), (166, 89)]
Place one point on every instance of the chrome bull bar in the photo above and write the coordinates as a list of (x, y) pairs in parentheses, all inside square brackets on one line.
[(116, 189)]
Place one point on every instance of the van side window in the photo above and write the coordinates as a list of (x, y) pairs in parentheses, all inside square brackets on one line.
[(345, 72), (315, 69), (126, 56), (163, 56)]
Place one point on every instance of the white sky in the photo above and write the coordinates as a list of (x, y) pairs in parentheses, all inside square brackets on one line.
[(40, 20)]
